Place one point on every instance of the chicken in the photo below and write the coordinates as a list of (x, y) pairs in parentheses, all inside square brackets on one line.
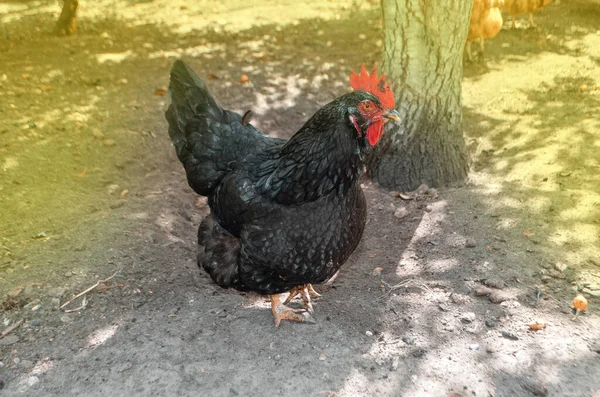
[(485, 23), (516, 7), (283, 214)]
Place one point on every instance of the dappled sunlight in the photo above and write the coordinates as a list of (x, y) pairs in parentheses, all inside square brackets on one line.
[(231, 16), (114, 57), (100, 336), (536, 153)]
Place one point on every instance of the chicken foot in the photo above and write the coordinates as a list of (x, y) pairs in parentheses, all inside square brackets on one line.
[(282, 312), (305, 291)]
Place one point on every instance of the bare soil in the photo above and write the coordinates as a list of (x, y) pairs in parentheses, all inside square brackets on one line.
[(90, 187)]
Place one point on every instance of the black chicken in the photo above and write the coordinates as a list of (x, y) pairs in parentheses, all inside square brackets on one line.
[(284, 214)]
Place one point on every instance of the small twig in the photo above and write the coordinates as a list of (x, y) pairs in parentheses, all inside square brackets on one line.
[(87, 290), (83, 305), (11, 328)]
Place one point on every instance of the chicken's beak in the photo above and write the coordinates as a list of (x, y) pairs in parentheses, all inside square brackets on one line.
[(392, 114)]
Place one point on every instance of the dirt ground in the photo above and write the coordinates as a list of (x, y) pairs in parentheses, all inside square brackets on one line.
[(90, 188)]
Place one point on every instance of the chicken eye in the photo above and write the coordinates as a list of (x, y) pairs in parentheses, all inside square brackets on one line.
[(367, 106)]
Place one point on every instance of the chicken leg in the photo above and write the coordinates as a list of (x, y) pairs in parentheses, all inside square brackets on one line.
[(282, 312), (305, 291)]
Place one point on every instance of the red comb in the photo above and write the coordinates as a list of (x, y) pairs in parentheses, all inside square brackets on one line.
[(374, 85)]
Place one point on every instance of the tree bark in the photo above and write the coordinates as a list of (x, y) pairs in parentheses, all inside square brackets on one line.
[(424, 42), (67, 22)]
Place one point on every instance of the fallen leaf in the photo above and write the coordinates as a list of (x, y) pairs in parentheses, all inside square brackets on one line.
[(244, 78), (123, 193), (25, 75), (162, 91), (212, 76), (405, 196), (537, 326), (82, 173), (527, 233), (377, 271), (580, 303)]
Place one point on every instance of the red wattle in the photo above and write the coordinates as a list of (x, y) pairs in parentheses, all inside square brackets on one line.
[(374, 132)]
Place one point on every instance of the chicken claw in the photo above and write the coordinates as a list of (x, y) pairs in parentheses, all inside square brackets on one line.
[(305, 291), (282, 312)]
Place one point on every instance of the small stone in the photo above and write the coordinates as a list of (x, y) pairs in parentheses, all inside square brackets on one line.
[(36, 307), (470, 243), (428, 208), (31, 304), (55, 304), (56, 292), (468, 317), (474, 347), (68, 274), (369, 333), (16, 360), (1, 364), (422, 189), (490, 349), (561, 267), (556, 274), (459, 299), (444, 307), (545, 278), (409, 340), (499, 297), (35, 323), (509, 334), (65, 318), (401, 212), (481, 290), (322, 356), (490, 322), (9, 340), (495, 283)]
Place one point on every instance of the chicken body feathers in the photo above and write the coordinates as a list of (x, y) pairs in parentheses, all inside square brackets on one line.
[(283, 213)]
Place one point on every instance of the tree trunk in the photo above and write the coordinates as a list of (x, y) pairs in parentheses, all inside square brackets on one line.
[(67, 22), (424, 43)]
